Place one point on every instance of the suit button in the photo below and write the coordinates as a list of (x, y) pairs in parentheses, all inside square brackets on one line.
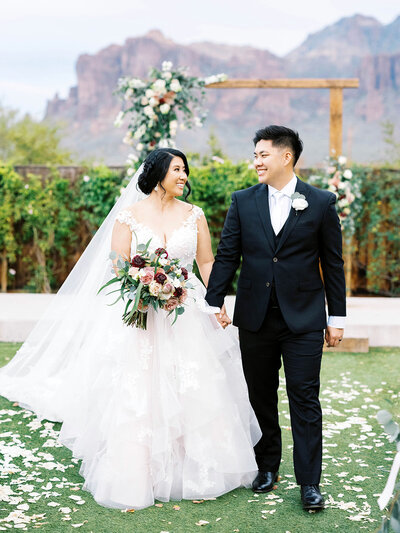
[(275, 259), (267, 284)]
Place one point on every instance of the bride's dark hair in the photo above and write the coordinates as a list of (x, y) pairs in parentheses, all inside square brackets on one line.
[(156, 166)]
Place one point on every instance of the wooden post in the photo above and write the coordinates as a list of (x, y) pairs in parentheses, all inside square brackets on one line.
[(4, 271), (336, 119)]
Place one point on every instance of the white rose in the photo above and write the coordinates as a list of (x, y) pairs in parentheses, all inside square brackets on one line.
[(343, 203), (118, 119), (130, 172), (148, 111), (197, 122), (167, 75), (159, 87), (86, 178), (12, 271), (132, 158), (139, 147), (135, 83), (166, 65), (153, 101), (155, 288), (348, 174), (342, 185), (342, 160), (176, 283), (144, 101), (128, 138), (128, 94), (163, 143), (175, 86), (299, 204), (163, 261), (139, 132), (346, 210), (165, 108), (133, 272), (173, 125), (149, 93)]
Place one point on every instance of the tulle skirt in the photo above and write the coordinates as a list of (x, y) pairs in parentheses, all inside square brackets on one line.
[(161, 414)]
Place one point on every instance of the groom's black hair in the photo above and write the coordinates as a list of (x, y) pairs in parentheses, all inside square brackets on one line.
[(282, 137)]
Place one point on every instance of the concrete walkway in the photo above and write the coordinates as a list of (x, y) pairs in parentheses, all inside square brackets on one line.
[(377, 319)]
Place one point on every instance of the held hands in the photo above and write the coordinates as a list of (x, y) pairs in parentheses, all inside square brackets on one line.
[(333, 336), (223, 318)]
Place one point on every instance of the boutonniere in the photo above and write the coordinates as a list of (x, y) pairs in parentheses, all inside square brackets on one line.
[(299, 202)]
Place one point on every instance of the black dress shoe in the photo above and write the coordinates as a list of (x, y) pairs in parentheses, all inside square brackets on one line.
[(311, 497), (264, 481)]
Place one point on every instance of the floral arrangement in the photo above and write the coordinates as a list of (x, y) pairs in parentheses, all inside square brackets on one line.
[(157, 106), (340, 180), (150, 279)]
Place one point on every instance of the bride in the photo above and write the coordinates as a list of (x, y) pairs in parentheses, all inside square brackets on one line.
[(154, 414)]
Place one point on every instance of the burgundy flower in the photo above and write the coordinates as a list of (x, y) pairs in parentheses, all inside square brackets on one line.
[(161, 251), (178, 292), (185, 273), (138, 261), (160, 277)]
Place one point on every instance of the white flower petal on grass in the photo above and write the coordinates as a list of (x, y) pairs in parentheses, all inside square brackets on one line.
[(53, 504), (65, 510)]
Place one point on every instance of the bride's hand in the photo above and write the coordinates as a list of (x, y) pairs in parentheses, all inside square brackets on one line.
[(223, 318)]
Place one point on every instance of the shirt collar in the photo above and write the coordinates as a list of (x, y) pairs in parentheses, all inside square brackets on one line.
[(287, 190)]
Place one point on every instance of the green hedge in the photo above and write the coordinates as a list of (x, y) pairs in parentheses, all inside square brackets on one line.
[(46, 222)]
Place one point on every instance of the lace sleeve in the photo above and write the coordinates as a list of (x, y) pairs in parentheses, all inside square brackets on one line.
[(125, 217), (197, 212)]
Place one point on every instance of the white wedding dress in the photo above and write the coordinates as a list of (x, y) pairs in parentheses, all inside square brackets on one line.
[(159, 414)]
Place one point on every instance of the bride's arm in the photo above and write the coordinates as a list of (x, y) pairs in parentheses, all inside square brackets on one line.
[(204, 255), (121, 242)]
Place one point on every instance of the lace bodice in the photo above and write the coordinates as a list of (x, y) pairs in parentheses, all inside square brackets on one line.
[(182, 244)]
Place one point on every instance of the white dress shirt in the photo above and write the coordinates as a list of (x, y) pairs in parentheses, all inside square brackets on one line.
[(280, 204)]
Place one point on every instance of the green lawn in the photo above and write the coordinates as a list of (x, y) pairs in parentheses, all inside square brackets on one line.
[(357, 459)]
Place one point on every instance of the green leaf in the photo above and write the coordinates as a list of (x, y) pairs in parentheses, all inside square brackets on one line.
[(138, 292), (113, 255), (114, 280)]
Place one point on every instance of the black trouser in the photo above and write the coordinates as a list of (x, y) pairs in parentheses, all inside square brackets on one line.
[(301, 354)]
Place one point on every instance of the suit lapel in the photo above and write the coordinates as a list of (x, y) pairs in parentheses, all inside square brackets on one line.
[(263, 210), (293, 217)]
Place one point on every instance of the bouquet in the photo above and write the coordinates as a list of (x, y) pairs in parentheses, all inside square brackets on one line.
[(150, 279)]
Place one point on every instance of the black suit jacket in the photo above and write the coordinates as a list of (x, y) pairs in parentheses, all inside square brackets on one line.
[(308, 237)]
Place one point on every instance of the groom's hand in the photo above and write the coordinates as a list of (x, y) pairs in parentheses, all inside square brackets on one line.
[(223, 318), (333, 336)]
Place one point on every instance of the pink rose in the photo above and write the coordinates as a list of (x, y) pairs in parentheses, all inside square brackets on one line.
[(171, 304), (168, 288), (146, 276)]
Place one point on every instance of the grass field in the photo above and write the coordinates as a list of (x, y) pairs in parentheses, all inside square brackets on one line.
[(41, 486)]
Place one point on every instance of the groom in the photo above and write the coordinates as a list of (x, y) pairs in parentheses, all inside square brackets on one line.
[(283, 229)]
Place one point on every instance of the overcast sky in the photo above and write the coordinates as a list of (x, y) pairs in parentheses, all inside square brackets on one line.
[(40, 40)]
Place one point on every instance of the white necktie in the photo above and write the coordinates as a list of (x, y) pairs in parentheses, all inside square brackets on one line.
[(276, 211)]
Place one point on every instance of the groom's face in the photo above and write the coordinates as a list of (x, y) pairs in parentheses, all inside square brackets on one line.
[(270, 161)]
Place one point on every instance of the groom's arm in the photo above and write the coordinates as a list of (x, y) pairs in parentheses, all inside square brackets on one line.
[(227, 259), (332, 268)]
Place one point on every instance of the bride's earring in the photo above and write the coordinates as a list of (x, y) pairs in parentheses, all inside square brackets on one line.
[(156, 188)]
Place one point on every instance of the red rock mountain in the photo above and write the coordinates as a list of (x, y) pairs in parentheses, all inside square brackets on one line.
[(357, 46)]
